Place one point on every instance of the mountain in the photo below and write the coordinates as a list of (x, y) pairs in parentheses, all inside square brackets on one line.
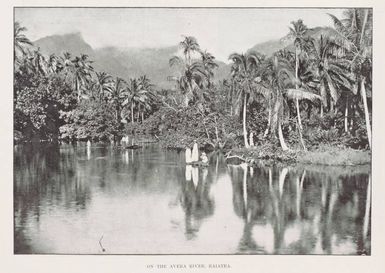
[(72, 42), (122, 62), (153, 62)]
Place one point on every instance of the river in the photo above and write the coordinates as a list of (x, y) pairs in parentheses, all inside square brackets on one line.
[(74, 199)]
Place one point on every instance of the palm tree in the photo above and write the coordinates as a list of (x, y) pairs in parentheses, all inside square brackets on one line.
[(103, 84), (189, 45), (54, 64), (277, 75), (191, 78), (136, 95), (244, 74), (20, 40), (209, 64), (298, 32), (117, 95), (192, 73), (146, 102), (81, 72), (39, 62), (355, 33), (330, 71)]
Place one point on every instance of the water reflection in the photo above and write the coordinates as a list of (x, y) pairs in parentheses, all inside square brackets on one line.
[(147, 201)]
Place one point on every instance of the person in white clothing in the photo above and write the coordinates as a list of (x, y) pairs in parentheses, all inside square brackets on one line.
[(204, 158)]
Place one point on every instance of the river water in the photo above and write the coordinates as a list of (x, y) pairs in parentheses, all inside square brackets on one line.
[(105, 200)]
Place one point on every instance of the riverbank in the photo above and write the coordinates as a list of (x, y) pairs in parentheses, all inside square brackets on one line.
[(324, 155)]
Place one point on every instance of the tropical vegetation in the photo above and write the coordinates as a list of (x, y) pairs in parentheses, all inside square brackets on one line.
[(317, 91)]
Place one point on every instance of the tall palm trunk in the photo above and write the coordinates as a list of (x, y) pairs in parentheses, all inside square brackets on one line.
[(296, 87), (268, 121), (244, 121), (77, 88), (281, 139), (367, 118), (132, 113), (297, 100), (346, 116)]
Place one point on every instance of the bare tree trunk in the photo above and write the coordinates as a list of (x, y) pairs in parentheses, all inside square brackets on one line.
[(367, 118), (244, 121), (281, 139)]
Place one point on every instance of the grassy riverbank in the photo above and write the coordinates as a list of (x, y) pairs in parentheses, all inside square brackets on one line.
[(324, 155)]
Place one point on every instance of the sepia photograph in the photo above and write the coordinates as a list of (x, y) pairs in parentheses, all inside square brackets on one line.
[(192, 131)]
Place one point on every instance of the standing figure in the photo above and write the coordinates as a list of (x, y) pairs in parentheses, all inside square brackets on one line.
[(188, 155), (204, 158), (195, 152)]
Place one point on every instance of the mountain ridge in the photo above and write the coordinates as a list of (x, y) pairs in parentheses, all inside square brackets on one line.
[(127, 62)]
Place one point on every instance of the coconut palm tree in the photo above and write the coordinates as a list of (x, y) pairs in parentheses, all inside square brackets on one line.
[(298, 33), (54, 64), (191, 79), (209, 64), (103, 84), (21, 42), (244, 73), (277, 75), (355, 34), (39, 62), (117, 95), (146, 103), (136, 95), (331, 72), (189, 45), (81, 72)]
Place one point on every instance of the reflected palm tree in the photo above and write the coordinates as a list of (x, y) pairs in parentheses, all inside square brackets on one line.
[(195, 199)]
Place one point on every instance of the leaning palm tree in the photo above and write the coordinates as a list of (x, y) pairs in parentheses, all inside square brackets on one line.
[(355, 33), (243, 73), (21, 42)]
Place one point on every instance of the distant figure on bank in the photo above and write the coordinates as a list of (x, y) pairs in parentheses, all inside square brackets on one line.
[(188, 155), (204, 158), (195, 152)]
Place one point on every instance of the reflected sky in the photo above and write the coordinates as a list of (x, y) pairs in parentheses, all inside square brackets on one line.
[(80, 200)]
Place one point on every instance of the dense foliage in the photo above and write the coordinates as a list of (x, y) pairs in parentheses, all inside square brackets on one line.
[(318, 91)]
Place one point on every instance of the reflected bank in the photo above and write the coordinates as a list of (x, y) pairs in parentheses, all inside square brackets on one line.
[(147, 201)]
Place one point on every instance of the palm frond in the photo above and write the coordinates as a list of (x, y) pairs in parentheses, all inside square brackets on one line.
[(301, 94)]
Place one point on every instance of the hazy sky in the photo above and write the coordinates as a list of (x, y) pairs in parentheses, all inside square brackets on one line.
[(220, 31)]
